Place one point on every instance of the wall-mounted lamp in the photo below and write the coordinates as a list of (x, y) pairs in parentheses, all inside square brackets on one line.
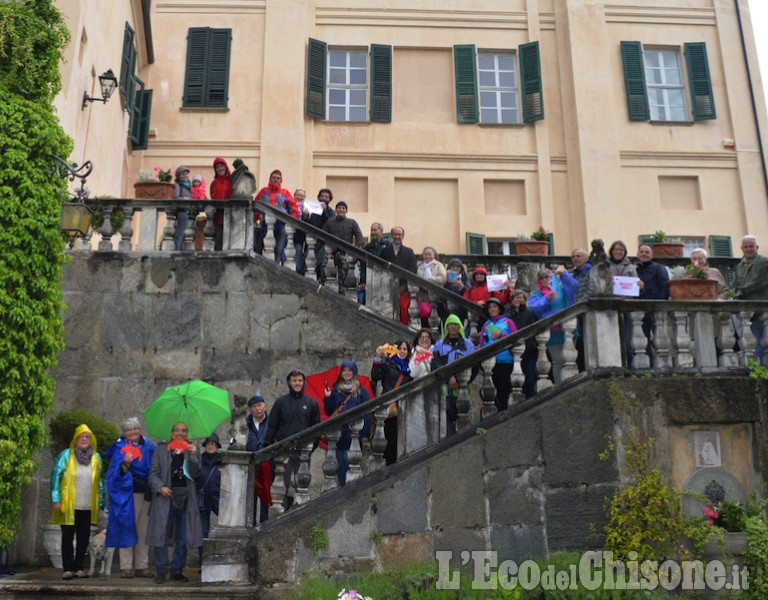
[(76, 215), (108, 83)]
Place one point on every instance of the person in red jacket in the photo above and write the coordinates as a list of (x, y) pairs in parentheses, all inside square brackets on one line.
[(479, 293), (281, 199), (221, 189)]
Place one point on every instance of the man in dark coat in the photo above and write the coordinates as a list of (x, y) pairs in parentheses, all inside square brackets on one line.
[(404, 257), (325, 196), (654, 285), (376, 245), (291, 414), (348, 230), (257, 423)]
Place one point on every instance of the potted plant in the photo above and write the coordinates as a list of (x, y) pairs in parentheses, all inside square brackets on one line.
[(537, 243), (691, 283), (665, 247), (154, 185)]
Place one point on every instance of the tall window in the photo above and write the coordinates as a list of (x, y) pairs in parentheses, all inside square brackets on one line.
[(347, 85), (499, 99), (137, 100), (654, 83), (206, 81), (666, 97)]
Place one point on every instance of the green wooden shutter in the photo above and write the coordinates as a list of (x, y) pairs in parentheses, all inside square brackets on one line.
[(316, 61), (127, 60), (381, 83), (134, 112), (646, 238), (702, 98), (634, 81), (466, 83), (195, 76), (720, 246), (140, 128), (530, 79), (551, 242), (217, 73), (476, 243)]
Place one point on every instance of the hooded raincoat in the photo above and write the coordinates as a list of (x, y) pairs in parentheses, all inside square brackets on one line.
[(221, 188), (63, 478)]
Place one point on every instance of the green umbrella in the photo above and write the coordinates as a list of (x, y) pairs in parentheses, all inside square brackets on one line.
[(202, 406)]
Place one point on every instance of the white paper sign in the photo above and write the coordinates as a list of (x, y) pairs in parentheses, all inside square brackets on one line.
[(626, 286), (496, 282), (315, 207)]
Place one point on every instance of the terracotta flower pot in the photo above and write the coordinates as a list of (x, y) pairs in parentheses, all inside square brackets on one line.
[(693, 289), (153, 189), (532, 247), (667, 249)]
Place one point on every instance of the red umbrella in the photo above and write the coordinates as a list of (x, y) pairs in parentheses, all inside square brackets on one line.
[(315, 388)]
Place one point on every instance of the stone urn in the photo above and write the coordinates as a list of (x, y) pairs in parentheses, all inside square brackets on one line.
[(537, 247), (692, 288), (52, 544), (730, 553), (154, 189)]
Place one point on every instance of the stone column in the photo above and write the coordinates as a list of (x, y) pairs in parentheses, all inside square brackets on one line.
[(330, 464), (661, 341), (236, 489), (126, 231), (542, 362), (463, 403), (725, 341), (210, 228), (303, 477), (569, 350), (105, 244), (639, 359), (682, 340), (517, 376), (488, 391)]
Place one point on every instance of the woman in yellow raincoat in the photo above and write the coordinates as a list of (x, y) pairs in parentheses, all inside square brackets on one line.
[(77, 495)]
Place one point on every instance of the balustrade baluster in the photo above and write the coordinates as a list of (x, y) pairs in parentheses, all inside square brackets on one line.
[(330, 464), (682, 340), (763, 343), (517, 377), (726, 341), (86, 241), (434, 319), (661, 341), (105, 244), (278, 491), (747, 341), (463, 403), (290, 250), (269, 236), (169, 229), (190, 229), (355, 454), (488, 390), (414, 313), (126, 230), (570, 353), (209, 231), (303, 476), (379, 441), (638, 341), (310, 259), (543, 365)]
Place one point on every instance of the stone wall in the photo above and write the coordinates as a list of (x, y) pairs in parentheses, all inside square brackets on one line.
[(527, 485), (137, 324)]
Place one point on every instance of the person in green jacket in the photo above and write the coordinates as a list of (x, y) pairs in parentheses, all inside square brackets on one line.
[(752, 284), (77, 495)]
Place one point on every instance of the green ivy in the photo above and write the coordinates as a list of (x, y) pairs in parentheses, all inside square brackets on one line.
[(31, 330)]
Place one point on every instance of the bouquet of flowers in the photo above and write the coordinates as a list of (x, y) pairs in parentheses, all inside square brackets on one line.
[(352, 595)]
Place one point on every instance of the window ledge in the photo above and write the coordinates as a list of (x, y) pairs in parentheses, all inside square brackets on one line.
[(348, 123), (673, 123), (503, 125), (203, 109)]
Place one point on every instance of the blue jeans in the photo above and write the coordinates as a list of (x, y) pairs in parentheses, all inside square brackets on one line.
[(205, 521), (343, 460), (278, 229), (177, 522), (181, 225)]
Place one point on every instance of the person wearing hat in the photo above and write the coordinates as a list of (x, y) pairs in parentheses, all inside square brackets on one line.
[(496, 327), (257, 423), (198, 187), (208, 484), (181, 191)]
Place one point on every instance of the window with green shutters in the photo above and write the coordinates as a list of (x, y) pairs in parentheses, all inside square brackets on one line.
[(488, 89), (136, 100), (349, 85), (206, 80), (654, 83), (720, 246), (476, 243), (140, 120), (127, 68)]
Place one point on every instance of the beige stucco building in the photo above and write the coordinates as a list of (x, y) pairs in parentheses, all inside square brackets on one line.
[(446, 116)]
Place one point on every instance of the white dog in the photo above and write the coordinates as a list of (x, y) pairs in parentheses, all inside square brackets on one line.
[(99, 551)]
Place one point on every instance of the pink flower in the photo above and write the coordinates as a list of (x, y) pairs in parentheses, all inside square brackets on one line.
[(711, 514)]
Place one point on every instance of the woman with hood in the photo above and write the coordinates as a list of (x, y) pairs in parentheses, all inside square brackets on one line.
[(453, 346), (221, 189), (127, 486), (77, 495), (479, 292), (345, 394), (458, 283), (496, 327), (554, 292), (281, 199), (522, 317), (181, 191), (393, 370)]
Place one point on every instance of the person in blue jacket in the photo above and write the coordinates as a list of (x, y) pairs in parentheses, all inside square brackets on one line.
[(496, 327), (130, 457), (453, 346), (554, 292), (345, 394)]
